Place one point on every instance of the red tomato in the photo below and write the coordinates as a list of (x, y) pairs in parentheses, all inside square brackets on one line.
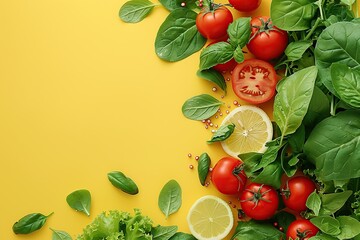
[(296, 191), (245, 5), (223, 67), (259, 201), (301, 229), (213, 24), (228, 176), (267, 42), (254, 81)]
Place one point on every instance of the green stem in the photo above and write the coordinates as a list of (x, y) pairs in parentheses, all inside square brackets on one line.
[(321, 10), (318, 21)]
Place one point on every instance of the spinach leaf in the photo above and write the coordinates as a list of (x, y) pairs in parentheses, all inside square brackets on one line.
[(182, 236), (338, 43), (319, 108), (203, 167), (270, 175), (171, 5), (321, 236), (80, 200), (239, 32), (213, 76), (252, 230), (170, 198), (327, 224), (313, 202), (163, 232), (332, 202), (122, 182), (30, 223), (288, 162), (178, 37), (350, 227), (346, 82), (284, 219), (60, 235), (293, 15), (200, 107), (293, 99), (295, 50), (135, 11), (333, 147), (220, 52), (223, 133)]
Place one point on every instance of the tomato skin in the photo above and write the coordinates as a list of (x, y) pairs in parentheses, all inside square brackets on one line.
[(214, 24), (296, 191), (269, 43), (228, 177), (301, 229), (264, 204), (254, 81), (245, 5)]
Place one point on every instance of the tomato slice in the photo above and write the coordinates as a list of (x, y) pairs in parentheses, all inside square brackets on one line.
[(254, 81)]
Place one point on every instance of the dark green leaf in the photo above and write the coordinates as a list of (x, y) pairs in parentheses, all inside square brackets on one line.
[(251, 161), (203, 167), (284, 219), (223, 133), (313, 202), (327, 224), (270, 175), (319, 108), (200, 107), (163, 232), (332, 202), (171, 5), (134, 11), (213, 76), (122, 182), (333, 146), (297, 139), (239, 32), (29, 223), (346, 82), (288, 167), (170, 198), (60, 235), (322, 236), (182, 236), (295, 50), (80, 200), (220, 52), (268, 157), (252, 230), (178, 36), (350, 227)]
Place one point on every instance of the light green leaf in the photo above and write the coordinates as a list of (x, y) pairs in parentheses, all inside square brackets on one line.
[(80, 200), (135, 11)]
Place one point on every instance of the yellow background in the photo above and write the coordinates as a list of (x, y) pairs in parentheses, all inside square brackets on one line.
[(83, 94)]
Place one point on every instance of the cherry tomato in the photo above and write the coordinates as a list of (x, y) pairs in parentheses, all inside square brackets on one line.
[(295, 192), (267, 41), (259, 201), (245, 5), (223, 67), (301, 229), (213, 24), (254, 81), (228, 176)]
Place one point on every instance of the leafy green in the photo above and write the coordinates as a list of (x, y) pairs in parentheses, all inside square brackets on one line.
[(252, 230), (203, 167), (350, 227), (213, 76), (178, 37), (30, 223), (170, 198), (239, 32), (220, 52), (182, 236), (135, 11), (295, 50), (327, 224), (163, 232), (223, 133), (200, 107), (60, 235), (313, 202), (171, 5), (80, 200), (122, 182)]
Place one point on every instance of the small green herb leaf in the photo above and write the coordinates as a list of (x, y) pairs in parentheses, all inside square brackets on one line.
[(163, 232), (295, 50), (223, 133), (239, 55), (60, 235), (214, 54), (29, 223), (332, 202), (200, 107), (80, 200), (327, 224), (182, 236), (122, 182), (313, 202), (171, 5), (135, 11), (203, 167), (239, 32), (170, 198), (213, 76), (253, 230), (350, 227)]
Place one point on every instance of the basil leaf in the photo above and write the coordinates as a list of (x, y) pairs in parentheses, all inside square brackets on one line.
[(203, 167), (170, 198), (163, 232), (223, 133), (288, 163), (200, 107), (284, 219), (319, 108), (239, 32), (30, 223), (338, 43), (251, 161), (220, 52), (213, 76), (239, 55), (135, 11), (60, 235), (327, 224), (313, 202), (297, 139), (122, 182), (295, 50), (80, 200), (171, 5), (293, 15), (350, 227), (268, 157), (321, 236), (333, 141), (270, 175), (182, 236), (346, 82), (332, 202), (252, 230), (292, 101), (178, 37)]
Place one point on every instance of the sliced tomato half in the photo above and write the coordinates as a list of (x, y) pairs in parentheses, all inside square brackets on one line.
[(254, 81)]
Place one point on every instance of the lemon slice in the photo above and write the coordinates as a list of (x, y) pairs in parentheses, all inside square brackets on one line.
[(210, 218), (253, 129)]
